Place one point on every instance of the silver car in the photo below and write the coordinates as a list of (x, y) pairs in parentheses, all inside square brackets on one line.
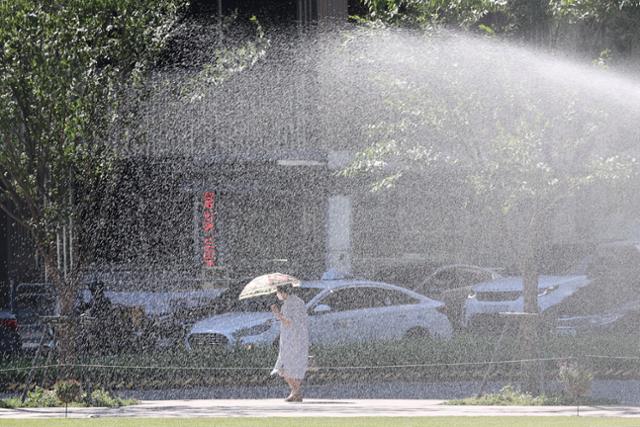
[(340, 312), (486, 300)]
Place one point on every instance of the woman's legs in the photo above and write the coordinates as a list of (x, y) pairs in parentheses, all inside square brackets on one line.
[(294, 385)]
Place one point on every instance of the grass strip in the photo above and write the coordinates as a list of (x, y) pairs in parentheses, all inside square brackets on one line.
[(333, 422)]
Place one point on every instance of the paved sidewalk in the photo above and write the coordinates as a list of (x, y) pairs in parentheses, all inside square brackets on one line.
[(621, 393), (314, 408)]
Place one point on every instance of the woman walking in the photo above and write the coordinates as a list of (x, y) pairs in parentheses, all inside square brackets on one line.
[(294, 340)]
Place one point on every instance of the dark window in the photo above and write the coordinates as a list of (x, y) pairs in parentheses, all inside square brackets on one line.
[(469, 277), (445, 278), (345, 299), (457, 278), (387, 297), (360, 298), (307, 294), (264, 303)]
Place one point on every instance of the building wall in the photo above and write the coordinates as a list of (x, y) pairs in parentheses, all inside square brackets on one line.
[(271, 216)]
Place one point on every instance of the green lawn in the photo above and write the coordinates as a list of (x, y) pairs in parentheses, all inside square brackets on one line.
[(333, 422)]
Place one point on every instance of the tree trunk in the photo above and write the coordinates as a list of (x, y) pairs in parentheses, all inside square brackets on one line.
[(64, 329), (529, 325), (529, 330), (530, 284)]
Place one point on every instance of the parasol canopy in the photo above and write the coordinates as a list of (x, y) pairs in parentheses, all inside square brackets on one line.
[(267, 284)]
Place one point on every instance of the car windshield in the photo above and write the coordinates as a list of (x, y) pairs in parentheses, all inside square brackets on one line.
[(264, 303)]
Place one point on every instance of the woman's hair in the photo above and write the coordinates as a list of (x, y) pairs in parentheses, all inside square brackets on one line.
[(286, 288)]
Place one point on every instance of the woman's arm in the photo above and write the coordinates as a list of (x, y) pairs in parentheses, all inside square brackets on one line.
[(285, 321), (279, 316)]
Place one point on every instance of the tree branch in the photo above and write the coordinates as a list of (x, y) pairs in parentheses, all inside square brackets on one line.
[(13, 216)]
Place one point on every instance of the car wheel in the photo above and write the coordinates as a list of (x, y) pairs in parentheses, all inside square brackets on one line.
[(417, 333)]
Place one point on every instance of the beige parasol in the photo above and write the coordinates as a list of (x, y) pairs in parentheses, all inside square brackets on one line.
[(267, 284)]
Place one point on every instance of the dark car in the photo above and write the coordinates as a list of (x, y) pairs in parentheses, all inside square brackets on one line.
[(227, 301), (611, 303), (452, 283), (624, 320), (10, 342)]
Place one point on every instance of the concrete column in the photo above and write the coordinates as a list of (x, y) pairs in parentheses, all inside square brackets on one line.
[(338, 220), (335, 9), (339, 234), (318, 10)]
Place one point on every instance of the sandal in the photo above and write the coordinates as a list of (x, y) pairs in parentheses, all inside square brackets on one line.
[(294, 398)]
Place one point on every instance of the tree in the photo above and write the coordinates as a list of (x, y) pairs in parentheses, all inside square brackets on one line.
[(64, 69), (418, 13), (603, 25), (524, 147)]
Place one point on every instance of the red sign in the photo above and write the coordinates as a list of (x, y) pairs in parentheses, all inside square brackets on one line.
[(208, 228)]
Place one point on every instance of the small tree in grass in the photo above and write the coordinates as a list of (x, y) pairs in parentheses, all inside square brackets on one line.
[(67, 391), (576, 381)]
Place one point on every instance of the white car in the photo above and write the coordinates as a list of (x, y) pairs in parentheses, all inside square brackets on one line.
[(340, 311), (486, 300)]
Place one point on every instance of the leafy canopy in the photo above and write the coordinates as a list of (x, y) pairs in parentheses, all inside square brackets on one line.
[(64, 68)]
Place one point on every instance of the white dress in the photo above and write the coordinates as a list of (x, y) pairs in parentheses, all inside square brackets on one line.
[(294, 339)]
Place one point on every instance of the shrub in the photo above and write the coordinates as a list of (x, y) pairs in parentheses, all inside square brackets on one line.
[(67, 391), (40, 398), (101, 397), (576, 380), (507, 396)]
